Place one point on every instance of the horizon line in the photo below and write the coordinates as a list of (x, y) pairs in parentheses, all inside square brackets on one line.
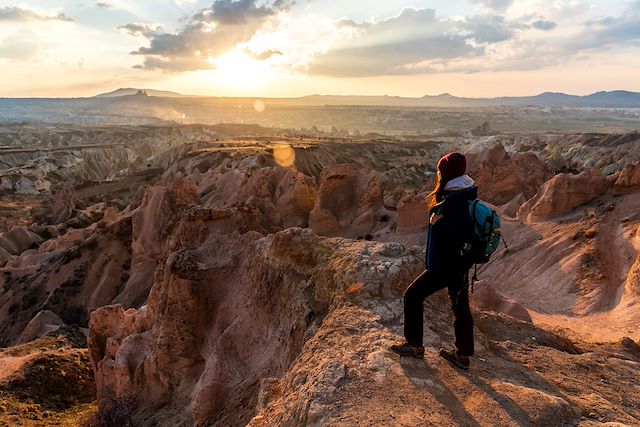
[(443, 94)]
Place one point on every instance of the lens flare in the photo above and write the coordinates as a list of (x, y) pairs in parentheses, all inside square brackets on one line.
[(284, 155), (259, 106)]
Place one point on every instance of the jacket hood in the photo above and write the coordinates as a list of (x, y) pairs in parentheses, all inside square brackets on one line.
[(460, 183)]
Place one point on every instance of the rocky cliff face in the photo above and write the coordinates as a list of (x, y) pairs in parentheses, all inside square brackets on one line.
[(230, 307)]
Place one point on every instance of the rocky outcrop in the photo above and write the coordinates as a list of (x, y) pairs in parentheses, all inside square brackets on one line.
[(68, 275), (229, 308), (151, 223), (629, 178), (293, 329), (61, 207), (111, 260), (501, 176), (562, 193), (283, 196), (349, 202)]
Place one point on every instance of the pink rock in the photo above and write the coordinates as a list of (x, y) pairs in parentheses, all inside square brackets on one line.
[(564, 192)]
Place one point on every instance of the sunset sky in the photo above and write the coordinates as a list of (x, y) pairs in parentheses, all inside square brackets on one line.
[(473, 48)]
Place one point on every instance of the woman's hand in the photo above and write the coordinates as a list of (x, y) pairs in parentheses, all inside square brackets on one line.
[(434, 218)]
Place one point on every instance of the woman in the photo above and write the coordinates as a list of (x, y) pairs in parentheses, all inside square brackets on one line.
[(450, 226)]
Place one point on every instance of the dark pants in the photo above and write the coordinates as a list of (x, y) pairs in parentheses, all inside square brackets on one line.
[(426, 284)]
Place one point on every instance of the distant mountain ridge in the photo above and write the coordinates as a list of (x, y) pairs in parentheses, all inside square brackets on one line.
[(611, 99), (619, 98)]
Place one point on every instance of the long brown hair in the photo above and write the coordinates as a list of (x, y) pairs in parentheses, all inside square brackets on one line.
[(436, 194)]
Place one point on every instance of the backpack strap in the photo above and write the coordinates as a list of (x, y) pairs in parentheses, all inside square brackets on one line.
[(474, 279)]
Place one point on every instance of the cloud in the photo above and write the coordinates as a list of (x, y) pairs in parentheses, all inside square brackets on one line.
[(499, 5), (416, 41), (14, 13), (208, 34), (104, 5), (393, 45), (544, 25), (140, 30)]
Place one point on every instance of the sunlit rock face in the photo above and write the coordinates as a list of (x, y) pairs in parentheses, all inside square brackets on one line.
[(563, 193)]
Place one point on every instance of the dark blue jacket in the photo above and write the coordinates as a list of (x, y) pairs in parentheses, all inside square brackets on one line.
[(448, 235)]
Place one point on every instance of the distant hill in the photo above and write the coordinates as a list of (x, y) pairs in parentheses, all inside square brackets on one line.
[(128, 91), (619, 98)]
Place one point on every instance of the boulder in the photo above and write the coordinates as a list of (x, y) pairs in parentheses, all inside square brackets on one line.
[(564, 192), (510, 209)]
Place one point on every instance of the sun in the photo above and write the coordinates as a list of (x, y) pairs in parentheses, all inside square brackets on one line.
[(237, 69)]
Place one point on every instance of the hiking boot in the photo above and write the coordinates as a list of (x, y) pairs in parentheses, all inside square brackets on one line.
[(406, 349), (453, 357)]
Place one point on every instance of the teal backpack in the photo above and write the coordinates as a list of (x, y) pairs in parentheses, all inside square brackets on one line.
[(486, 237), (486, 233)]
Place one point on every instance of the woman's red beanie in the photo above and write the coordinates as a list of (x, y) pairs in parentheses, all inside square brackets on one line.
[(452, 166)]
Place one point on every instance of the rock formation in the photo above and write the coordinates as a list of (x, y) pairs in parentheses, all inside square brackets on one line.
[(282, 195), (562, 193), (108, 261), (224, 289), (629, 177), (349, 202), (501, 176), (412, 212)]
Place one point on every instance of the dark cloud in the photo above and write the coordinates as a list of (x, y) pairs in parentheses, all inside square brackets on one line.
[(544, 25), (392, 45), (208, 34), (489, 28), (500, 5), (104, 5), (14, 13)]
